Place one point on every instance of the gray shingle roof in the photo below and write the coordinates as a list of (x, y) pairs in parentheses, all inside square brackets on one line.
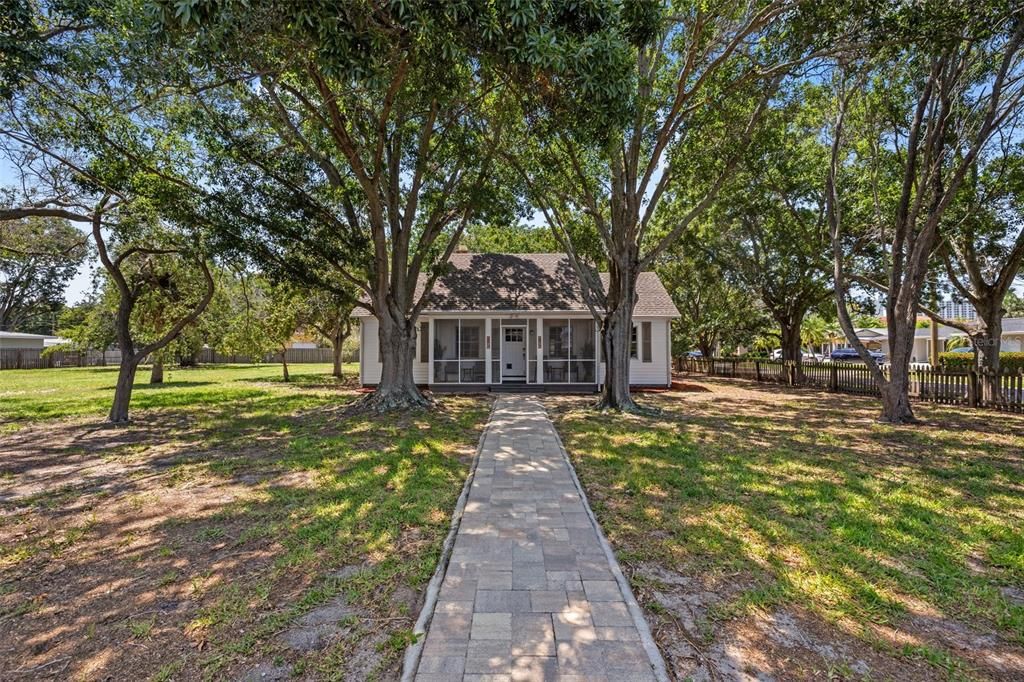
[(542, 282)]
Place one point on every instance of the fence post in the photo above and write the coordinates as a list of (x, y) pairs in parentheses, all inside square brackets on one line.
[(833, 378), (757, 369), (972, 387)]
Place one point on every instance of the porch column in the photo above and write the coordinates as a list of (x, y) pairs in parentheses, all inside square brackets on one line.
[(540, 350), (430, 351), (488, 349)]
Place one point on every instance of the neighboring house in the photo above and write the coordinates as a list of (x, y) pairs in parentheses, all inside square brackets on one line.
[(877, 338), (19, 341), (517, 320)]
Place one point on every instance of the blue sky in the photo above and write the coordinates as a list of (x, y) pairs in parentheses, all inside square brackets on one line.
[(80, 285)]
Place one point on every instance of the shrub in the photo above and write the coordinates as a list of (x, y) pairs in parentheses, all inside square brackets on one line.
[(1008, 362)]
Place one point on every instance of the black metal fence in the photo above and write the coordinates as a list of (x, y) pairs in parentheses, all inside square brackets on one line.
[(935, 385)]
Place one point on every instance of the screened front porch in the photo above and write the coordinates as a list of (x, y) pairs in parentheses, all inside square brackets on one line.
[(490, 351)]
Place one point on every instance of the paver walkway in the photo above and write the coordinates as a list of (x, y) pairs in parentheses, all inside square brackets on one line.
[(529, 593)]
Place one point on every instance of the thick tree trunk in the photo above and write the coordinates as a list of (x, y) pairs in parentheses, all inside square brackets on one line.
[(336, 353), (396, 390), (896, 399), (156, 375), (896, 407), (987, 346), (791, 346), (792, 354), (123, 388), (616, 334)]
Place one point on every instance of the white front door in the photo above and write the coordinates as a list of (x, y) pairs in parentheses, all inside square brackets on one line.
[(513, 353)]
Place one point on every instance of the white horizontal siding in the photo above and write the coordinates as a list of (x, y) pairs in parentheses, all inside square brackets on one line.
[(369, 351), (369, 355), (654, 373)]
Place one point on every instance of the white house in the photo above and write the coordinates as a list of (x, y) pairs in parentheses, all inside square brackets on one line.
[(519, 321), (877, 338)]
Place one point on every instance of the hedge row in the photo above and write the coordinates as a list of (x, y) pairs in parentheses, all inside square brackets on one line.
[(1008, 362)]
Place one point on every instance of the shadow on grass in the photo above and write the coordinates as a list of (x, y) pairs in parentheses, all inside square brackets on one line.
[(805, 501), (212, 531)]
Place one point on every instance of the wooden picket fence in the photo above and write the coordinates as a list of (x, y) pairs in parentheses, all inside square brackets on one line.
[(935, 385)]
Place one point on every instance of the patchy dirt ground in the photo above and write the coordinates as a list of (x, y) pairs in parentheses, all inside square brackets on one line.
[(784, 534), (277, 543)]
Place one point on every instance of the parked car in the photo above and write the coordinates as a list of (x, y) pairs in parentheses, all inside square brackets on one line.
[(851, 355), (962, 350), (695, 354), (807, 357)]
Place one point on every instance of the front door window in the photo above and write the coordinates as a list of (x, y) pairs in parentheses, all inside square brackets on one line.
[(513, 353)]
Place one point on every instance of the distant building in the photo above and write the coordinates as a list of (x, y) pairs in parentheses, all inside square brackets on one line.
[(957, 310), (20, 341), (877, 338)]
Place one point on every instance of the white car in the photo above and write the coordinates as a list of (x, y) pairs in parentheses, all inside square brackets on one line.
[(807, 357)]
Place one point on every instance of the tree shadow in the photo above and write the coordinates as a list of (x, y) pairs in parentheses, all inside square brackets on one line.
[(190, 541), (509, 282), (806, 502)]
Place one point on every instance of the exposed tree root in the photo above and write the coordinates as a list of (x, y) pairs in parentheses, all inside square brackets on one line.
[(383, 402)]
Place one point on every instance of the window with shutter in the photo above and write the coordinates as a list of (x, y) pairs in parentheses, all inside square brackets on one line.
[(645, 334), (424, 341)]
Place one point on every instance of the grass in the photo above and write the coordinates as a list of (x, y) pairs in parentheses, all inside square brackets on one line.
[(30, 395), (909, 541), (231, 506)]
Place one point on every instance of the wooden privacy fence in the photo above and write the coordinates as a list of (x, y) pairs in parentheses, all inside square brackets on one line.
[(31, 358), (938, 385), (292, 355)]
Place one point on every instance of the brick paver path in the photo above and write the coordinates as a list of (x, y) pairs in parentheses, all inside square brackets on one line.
[(529, 593)]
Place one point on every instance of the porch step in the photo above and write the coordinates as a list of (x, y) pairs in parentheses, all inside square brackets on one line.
[(517, 388)]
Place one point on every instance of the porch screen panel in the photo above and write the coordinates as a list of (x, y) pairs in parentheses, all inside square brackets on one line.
[(556, 351), (446, 351), (424, 342), (471, 351), (583, 368)]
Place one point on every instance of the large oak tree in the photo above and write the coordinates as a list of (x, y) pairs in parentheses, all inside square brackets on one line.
[(701, 85), (910, 125), (360, 139)]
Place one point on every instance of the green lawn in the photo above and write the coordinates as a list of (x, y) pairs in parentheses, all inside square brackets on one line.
[(43, 394), (216, 532), (899, 549)]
